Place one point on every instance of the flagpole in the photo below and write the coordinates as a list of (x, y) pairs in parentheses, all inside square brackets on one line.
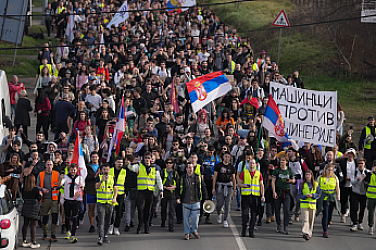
[(259, 136)]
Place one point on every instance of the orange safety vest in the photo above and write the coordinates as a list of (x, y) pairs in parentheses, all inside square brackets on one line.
[(54, 183)]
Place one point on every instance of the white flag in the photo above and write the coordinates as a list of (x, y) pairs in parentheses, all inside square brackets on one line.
[(70, 26), (120, 16)]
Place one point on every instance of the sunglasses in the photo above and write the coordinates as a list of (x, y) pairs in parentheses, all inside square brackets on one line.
[(169, 162)]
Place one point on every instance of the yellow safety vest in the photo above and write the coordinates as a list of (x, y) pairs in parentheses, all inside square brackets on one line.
[(232, 67), (328, 187), (166, 176), (48, 66), (59, 10), (309, 202), (371, 190), (198, 169), (62, 187), (254, 182), (368, 143), (146, 181), (120, 180), (105, 192)]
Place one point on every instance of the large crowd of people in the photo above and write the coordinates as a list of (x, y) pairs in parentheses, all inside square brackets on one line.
[(169, 159)]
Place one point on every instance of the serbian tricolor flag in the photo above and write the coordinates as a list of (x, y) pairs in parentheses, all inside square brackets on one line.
[(78, 158), (207, 88), (254, 102), (273, 121), (179, 5), (118, 132)]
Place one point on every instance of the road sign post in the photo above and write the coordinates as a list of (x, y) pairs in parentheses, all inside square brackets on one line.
[(281, 21)]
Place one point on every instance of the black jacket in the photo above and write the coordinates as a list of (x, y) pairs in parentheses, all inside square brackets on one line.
[(202, 193), (343, 166), (22, 116)]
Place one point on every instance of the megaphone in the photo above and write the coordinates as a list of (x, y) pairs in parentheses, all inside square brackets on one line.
[(208, 207), (370, 138)]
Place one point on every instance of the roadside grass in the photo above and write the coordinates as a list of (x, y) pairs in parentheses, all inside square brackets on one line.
[(23, 67), (37, 3), (249, 15)]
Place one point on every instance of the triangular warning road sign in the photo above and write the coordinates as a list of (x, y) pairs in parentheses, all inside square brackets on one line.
[(281, 20)]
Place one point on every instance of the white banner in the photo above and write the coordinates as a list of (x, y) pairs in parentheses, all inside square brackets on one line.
[(310, 116), (70, 27), (120, 16)]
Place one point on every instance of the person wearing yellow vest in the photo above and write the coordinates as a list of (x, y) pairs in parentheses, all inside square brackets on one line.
[(73, 189), (224, 184), (368, 143), (169, 178), (252, 189), (147, 180), (106, 199), (371, 197), (329, 185), (309, 192), (119, 174), (48, 181), (282, 177)]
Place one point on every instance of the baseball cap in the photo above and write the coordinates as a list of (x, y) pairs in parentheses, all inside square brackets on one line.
[(91, 78), (351, 150), (58, 152), (371, 117)]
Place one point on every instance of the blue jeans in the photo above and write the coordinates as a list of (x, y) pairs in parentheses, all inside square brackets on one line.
[(327, 214), (191, 215)]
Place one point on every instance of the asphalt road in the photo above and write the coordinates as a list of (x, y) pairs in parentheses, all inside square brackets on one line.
[(215, 236)]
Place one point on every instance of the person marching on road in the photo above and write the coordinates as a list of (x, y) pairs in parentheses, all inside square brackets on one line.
[(252, 189), (106, 199), (309, 192)]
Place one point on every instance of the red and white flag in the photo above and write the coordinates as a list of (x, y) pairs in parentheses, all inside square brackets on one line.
[(118, 132)]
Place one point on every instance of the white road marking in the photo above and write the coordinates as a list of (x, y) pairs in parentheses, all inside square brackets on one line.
[(235, 232)]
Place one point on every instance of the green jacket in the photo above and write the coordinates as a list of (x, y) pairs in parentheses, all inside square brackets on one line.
[(331, 198)]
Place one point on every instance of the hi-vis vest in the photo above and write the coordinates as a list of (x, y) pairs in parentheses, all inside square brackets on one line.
[(198, 169), (146, 181), (328, 187), (54, 183), (173, 178), (371, 190), (120, 180), (367, 144), (309, 202), (62, 187), (254, 182), (105, 192), (48, 66)]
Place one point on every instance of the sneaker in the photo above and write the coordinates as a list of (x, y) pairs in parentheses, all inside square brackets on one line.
[(259, 223), (25, 243), (82, 222), (290, 221), (163, 224), (305, 236), (268, 220), (219, 218), (92, 229), (343, 218), (67, 235), (286, 231), (347, 212), (296, 218), (273, 220), (106, 240), (354, 228), (279, 230), (110, 229), (238, 209), (197, 236), (370, 230), (225, 224), (360, 227), (171, 229), (100, 242), (126, 228), (207, 220), (186, 237), (116, 231), (53, 238), (325, 235), (63, 229), (44, 237), (73, 240), (34, 245)]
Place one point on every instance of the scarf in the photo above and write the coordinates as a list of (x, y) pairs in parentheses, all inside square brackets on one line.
[(71, 188)]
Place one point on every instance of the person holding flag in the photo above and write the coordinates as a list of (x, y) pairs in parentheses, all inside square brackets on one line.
[(118, 132), (73, 189)]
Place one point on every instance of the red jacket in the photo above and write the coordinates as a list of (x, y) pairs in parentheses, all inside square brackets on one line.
[(103, 71), (45, 107), (13, 89)]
